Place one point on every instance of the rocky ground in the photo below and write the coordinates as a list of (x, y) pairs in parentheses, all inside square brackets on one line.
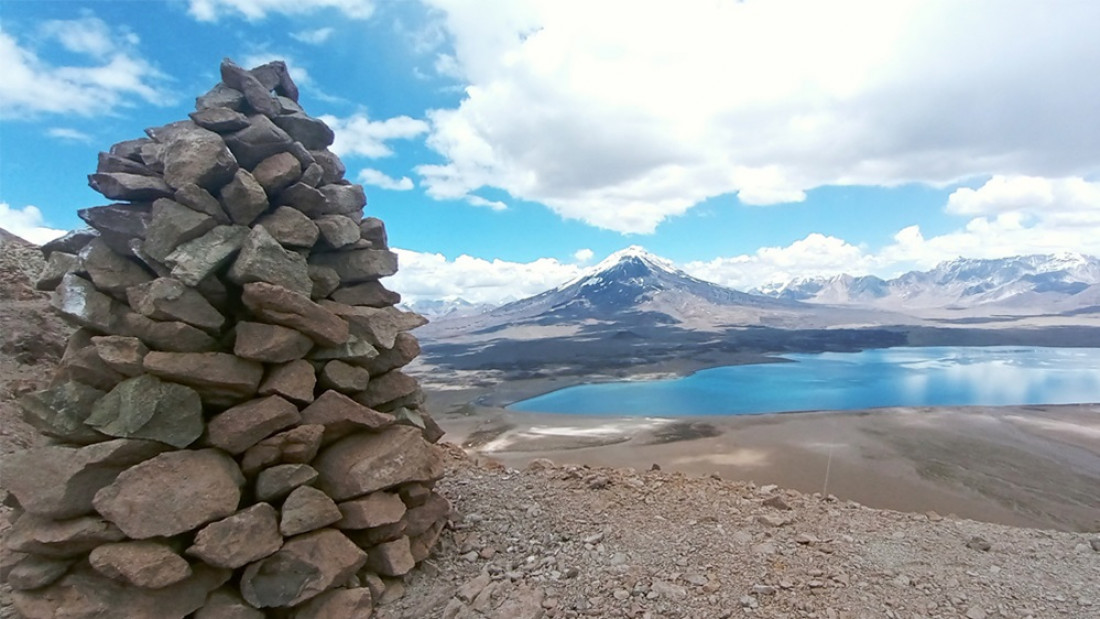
[(566, 541)]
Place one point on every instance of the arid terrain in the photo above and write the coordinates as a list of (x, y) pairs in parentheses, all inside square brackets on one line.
[(599, 534)]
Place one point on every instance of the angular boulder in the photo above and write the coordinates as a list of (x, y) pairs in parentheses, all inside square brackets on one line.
[(218, 377), (201, 486), (243, 199), (195, 260), (263, 259), (306, 509), (200, 158), (60, 412), (360, 265), (303, 568), (150, 565), (363, 463), (246, 536), (286, 307), (169, 299), (294, 381), (269, 343), (242, 426), (171, 225), (144, 407)]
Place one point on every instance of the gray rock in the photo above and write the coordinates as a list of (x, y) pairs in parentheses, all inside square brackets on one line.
[(255, 94), (166, 336), (33, 572), (118, 224), (70, 242), (84, 593), (372, 230), (169, 299), (312, 133), (219, 119), (83, 365), (131, 187), (363, 463), (330, 164), (295, 446), (201, 486), (122, 354), (149, 565), (374, 510), (294, 381), (246, 536), (344, 377), (258, 141), (109, 163), (173, 224), (387, 387), (201, 158), (312, 175), (270, 343), (226, 603), (355, 350), (978, 543), (202, 201), (304, 198), (360, 265), (290, 227), (242, 426), (288, 308), (219, 378), (145, 407), (263, 259), (178, 130), (337, 230), (60, 538), (78, 301), (303, 568), (109, 271), (355, 603), (288, 105), (306, 509), (371, 293), (59, 482), (405, 349), (195, 260), (392, 558), (342, 199), (379, 326), (60, 411), (278, 481), (325, 281), (152, 155), (220, 96), (277, 172), (340, 415), (418, 520), (129, 149), (57, 265), (243, 199)]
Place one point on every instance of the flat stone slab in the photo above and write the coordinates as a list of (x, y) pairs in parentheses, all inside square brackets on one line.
[(246, 536), (242, 426), (150, 565), (217, 377), (288, 308), (200, 486), (303, 568), (363, 463), (146, 407)]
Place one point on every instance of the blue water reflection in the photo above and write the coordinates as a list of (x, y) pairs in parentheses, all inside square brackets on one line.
[(939, 376)]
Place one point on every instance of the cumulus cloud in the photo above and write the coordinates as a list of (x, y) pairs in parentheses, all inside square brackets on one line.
[(370, 176), (583, 255), (212, 10), (434, 276), (111, 74), (67, 134), (313, 37), (27, 223), (814, 256), (622, 114), (358, 135)]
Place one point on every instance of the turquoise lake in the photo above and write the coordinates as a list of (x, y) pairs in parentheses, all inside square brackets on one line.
[(935, 376)]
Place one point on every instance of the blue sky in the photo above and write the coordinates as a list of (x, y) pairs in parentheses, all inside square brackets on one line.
[(509, 144)]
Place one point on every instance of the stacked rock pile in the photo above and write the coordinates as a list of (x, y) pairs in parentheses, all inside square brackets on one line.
[(231, 431)]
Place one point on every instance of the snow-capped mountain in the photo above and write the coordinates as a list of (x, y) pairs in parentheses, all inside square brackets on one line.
[(446, 308), (1019, 281)]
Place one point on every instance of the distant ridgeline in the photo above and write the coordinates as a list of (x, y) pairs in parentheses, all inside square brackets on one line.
[(230, 427)]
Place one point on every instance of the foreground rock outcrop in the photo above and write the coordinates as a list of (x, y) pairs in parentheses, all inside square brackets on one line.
[(230, 432)]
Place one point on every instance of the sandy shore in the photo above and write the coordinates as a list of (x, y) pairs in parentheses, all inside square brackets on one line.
[(1036, 466)]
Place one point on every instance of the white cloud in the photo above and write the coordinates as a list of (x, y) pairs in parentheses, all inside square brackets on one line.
[(68, 134), (27, 223), (622, 114), (359, 135), (212, 10), (583, 255), (86, 35), (370, 176), (114, 73), (433, 276), (814, 256), (494, 205), (313, 37)]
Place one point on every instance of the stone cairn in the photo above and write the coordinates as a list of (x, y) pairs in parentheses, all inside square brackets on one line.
[(231, 432)]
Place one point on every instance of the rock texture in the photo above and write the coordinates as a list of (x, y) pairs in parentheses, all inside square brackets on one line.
[(215, 370)]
